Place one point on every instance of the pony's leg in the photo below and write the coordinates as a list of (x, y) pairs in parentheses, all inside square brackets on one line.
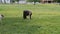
[(30, 16)]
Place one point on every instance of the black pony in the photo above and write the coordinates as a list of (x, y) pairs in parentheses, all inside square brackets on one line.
[(27, 13)]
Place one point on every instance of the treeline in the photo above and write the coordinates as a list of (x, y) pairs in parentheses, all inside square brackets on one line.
[(57, 1), (13, 1), (40, 1), (35, 0)]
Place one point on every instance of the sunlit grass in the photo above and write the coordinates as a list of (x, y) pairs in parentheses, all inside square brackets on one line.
[(45, 19)]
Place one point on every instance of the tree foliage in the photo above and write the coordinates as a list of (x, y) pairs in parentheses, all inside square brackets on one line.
[(57, 0), (33, 1), (17, 0)]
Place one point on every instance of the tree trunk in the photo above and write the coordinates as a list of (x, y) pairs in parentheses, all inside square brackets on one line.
[(5, 1), (0, 1), (34, 3)]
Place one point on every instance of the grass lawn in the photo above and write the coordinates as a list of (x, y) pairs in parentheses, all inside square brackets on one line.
[(45, 19)]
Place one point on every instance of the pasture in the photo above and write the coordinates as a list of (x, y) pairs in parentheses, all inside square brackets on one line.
[(45, 19)]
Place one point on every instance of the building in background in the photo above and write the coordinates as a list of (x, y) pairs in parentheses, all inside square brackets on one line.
[(47, 1)]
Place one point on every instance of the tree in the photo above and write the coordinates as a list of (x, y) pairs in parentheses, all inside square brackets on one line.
[(5, 1), (33, 1), (57, 1), (15, 1), (0, 1)]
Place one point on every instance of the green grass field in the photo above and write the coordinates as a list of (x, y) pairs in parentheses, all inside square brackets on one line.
[(45, 19)]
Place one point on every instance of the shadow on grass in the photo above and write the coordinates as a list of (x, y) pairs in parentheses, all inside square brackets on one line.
[(12, 20), (17, 25)]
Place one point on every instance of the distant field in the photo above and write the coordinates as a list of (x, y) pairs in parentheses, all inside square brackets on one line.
[(45, 19)]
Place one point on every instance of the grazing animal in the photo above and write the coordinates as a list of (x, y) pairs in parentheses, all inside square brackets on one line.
[(27, 13)]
